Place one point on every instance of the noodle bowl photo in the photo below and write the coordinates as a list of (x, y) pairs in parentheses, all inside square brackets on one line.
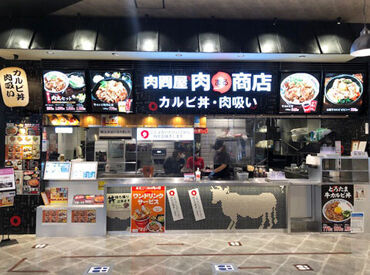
[(343, 89), (337, 210)]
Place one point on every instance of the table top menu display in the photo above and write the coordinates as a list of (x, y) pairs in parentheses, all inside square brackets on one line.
[(57, 170), (84, 170), (64, 91), (111, 91), (299, 93), (344, 93)]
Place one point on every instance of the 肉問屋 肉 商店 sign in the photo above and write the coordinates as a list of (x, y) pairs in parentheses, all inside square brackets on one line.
[(205, 92)]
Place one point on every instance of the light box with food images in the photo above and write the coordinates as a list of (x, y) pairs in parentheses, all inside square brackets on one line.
[(300, 93), (111, 91), (64, 91), (343, 93)]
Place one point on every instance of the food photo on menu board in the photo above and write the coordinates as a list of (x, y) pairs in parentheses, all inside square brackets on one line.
[(64, 91), (111, 91), (299, 92), (343, 93)]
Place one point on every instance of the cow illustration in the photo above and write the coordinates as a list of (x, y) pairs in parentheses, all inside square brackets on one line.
[(252, 206)]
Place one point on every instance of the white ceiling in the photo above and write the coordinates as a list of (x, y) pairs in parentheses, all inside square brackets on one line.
[(349, 10)]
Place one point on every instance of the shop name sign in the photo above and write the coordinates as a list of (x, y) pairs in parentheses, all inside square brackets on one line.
[(201, 92), (165, 134), (14, 87)]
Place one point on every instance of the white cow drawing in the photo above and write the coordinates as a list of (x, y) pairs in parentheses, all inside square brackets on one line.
[(252, 206)]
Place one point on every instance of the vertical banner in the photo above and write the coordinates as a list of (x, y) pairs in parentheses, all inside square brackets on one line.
[(337, 207), (14, 87), (148, 209), (173, 200), (196, 204)]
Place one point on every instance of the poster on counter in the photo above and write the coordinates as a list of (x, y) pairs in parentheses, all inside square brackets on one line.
[(111, 91), (54, 216), (57, 170), (196, 204), (357, 222), (337, 207), (360, 192), (299, 93), (148, 209), (86, 170), (7, 199), (64, 91), (175, 206), (84, 216), (58, 195), (343, 93), (7, 181)]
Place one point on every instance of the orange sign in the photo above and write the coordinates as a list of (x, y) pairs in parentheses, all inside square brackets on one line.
[(148, 209), (14, 87)]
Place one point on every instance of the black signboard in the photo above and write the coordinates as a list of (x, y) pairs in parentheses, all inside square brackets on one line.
[(343, 93), (337, 207), (111, 91), (64, 91), (300, 93), (205, 92)]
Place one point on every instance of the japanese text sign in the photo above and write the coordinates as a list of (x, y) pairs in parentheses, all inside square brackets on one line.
[(204, 92), (175, 206), (14, 87), (196, 204), (148, 209), (158, 134)]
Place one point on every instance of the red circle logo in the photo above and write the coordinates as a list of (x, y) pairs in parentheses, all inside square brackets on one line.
[(194, 192), (145, 134), (221, 82), (15, 221), (172, 193), (153, 106)]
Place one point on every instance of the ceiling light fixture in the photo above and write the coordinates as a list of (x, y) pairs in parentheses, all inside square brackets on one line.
[(361, 46)]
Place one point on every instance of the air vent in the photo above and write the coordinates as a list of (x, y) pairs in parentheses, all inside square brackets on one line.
[(149, 4)]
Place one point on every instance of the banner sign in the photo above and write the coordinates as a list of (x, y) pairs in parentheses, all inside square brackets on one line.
[(196, 204), (148, 209), (173, 200), (14, 87), (165, 134)]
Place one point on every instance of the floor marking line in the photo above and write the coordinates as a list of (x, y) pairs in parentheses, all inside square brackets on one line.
[(170, 244), (17, 264), (210, 255), (12, 269), (254, 267)]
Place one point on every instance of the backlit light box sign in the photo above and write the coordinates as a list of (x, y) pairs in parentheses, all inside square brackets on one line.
[(165, 134), (205, 92)]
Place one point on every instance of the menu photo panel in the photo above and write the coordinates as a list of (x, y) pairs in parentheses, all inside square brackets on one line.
[(64, 91), (343, 92), (111, 91), (299, 93)]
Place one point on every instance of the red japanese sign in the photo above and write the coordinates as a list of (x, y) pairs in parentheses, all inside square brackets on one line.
[(148, 209)]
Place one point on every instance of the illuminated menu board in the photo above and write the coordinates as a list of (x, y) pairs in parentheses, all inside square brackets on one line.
[(57, 170), (299, 93), (64, 91), (205, 92), (344, 93)]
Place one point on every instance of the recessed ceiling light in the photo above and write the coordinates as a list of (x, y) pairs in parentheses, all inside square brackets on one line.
[(115, 54), (50, 52)]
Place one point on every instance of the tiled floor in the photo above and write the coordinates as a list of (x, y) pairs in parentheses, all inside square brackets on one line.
[(260, 253)]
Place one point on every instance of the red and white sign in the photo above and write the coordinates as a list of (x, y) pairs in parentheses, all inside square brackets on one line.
[(196, 204), (165, 134), (173, 200)]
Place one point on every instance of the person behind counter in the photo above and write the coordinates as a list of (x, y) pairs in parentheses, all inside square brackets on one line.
[(221, 162), (174, 164), (196, 162)]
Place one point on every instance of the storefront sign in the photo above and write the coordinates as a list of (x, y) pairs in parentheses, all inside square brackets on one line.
[(357, 222), (14, 87), (148, 209), (165, 134), (115, 132), (205, 92), (337, 207), (64, 91), (344, 93), (173, 200), (57, 170), (7, 179), (299, 93), (196, 204), (86, 170), (111, 91)]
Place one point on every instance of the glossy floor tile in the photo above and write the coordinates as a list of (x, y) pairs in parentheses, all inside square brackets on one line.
[(259, 253)]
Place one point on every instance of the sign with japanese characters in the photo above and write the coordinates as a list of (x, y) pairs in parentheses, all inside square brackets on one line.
[(148, 209), (204, 92), (196, 204), (299, 93), (175, 206), (337, 207), (64, 91), (14, 87), (344, 93), (165, 134)]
